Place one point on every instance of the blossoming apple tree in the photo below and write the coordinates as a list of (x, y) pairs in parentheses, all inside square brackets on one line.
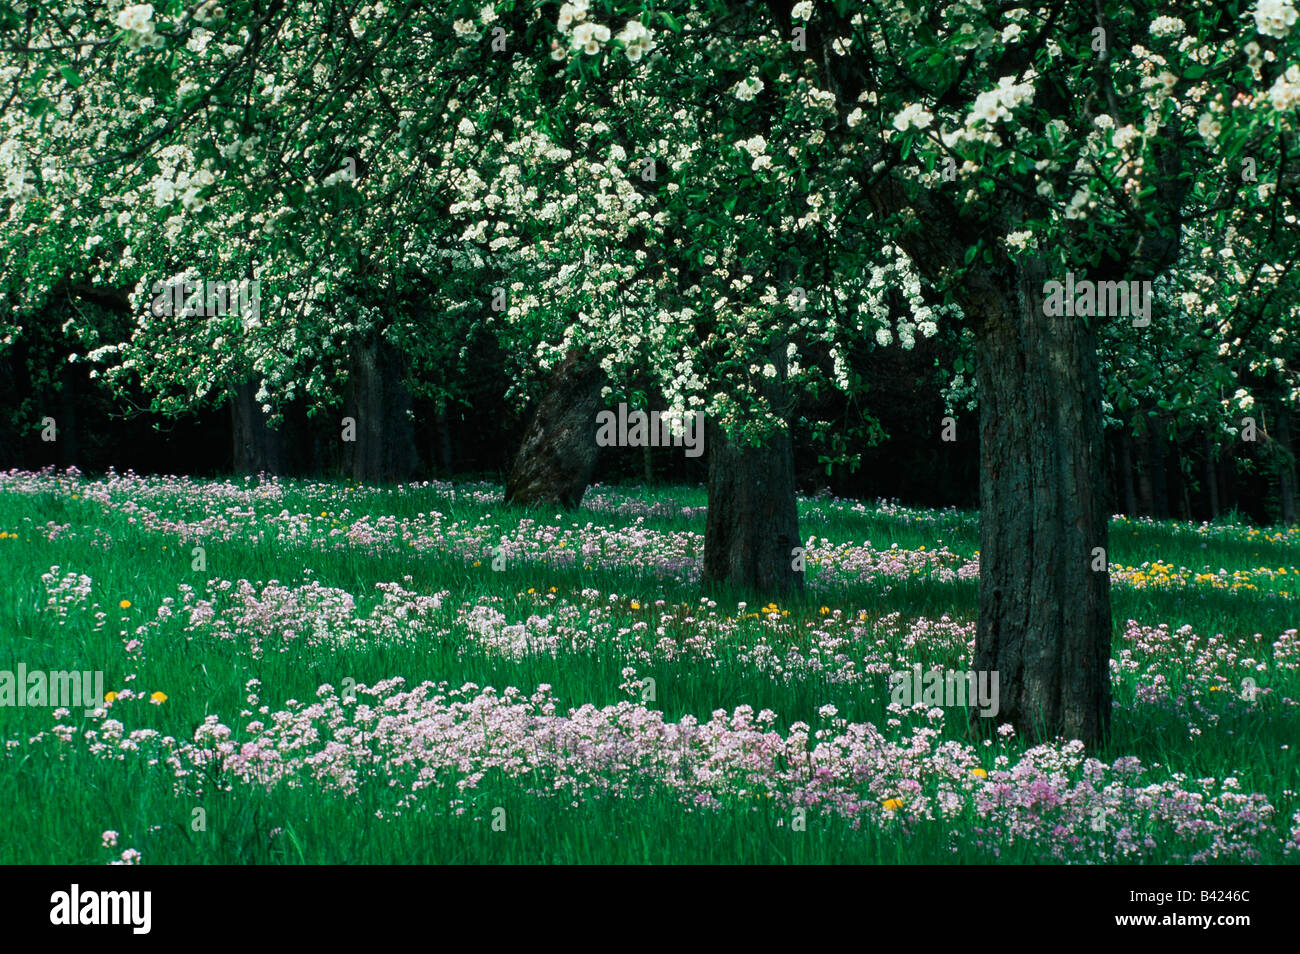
[(1002, 146), (710, 191)]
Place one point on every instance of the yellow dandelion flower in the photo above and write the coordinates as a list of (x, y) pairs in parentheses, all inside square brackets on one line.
[(110, 696), (531, 591), (125, 604), (824, 610), (979, 773), (892, 804), (158, 697), (636, 605)]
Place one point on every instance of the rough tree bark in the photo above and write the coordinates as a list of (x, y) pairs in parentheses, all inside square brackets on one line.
[(558, 454), (380, 402), (257, 447), (1044, 614), (1044, 617), (752, 526)]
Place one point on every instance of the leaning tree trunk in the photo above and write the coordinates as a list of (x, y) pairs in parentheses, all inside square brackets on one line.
[(380, 404), (558, 455), (257, 447), (751, 530), (1044, 616)]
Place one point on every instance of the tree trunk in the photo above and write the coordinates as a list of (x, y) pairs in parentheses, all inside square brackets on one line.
[(1146, 486), (384, 449), (445, 457), (1228, 489), (68, 447), (1180, 492), (751, 529), (1286, 466), (1044, 617), (1126, 465), (1211, 478), (257, 447), (1157, 462), (558, 455)]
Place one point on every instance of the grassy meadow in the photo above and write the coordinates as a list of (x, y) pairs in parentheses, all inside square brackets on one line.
[(314, 672)]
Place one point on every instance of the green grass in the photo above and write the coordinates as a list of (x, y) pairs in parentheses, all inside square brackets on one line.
[(61, 798)]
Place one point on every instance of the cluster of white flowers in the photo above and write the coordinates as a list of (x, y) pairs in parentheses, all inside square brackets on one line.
[(16, 185), (137, 21), (589, 37), (747, 89), (803, 10), (1274, 17), (913, 115), (1167, 26), (757, 149), (1124, 136), (1020, 240), (1209, 128), (1080, 204), (995, 105), (815, 98), (1284, 94), (636, 39), (570, 13)]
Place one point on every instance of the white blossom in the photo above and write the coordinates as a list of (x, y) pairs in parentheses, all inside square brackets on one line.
[(1274, 17)]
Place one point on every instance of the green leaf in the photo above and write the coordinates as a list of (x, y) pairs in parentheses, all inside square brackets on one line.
[(69, 74)]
